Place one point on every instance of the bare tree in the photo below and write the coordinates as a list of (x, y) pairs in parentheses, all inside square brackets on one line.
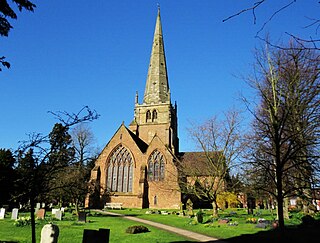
[(313, 21), (284, 151), (74, 179), (83, 139), (204, 174), (34, 155)]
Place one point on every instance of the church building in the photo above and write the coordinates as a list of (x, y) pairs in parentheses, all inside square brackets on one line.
[(137, 166)]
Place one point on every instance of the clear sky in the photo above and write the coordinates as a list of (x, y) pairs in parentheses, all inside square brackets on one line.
[(68, 54)]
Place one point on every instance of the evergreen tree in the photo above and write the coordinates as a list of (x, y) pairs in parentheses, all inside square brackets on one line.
[(7, 175)]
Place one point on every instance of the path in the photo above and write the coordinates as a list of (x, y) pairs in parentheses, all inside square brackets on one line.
[(186, 233)]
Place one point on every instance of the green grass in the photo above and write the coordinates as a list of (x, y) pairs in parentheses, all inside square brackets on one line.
[(210, 227), (71, 231)]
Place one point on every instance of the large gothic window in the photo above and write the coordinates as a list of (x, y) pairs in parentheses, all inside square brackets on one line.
[(156, 166), (120, 170)]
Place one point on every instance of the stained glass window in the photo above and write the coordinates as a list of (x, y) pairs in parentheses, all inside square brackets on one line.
[(156, 166), (120, 170)]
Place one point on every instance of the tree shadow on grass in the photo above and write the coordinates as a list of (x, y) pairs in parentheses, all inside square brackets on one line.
[(292, 234)]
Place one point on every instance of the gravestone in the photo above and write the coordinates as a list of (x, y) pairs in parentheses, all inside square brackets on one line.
[(49, 233), (14, 214), (93, 236), (58, 214), (54, 210), (82, 217), (41, 214), (189, 207), (38, 206), (2, 213)]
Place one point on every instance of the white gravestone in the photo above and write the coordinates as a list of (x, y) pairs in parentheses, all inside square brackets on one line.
[(58, 215), (2, 213), (14, 214), (54, 210), (49, 233)]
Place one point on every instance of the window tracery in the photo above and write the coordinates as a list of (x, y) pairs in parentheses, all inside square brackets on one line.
[(156, 166), (120, 170)]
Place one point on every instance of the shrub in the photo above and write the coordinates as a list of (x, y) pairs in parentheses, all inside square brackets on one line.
[(136, 229), (23, 221)]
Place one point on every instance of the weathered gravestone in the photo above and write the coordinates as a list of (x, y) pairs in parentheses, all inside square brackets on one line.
[(49, 233), (41, 214), (2, 213), (82, 217), (54, 210), (94, 236), (14, 214), (58, 214)]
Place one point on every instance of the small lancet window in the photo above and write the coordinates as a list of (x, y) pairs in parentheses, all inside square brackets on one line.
[(148, 116), (154, 115)]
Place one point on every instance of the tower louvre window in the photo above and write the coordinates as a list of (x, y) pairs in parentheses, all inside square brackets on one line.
[(154, 115), (120, 170), (148, 116), (156, 166)]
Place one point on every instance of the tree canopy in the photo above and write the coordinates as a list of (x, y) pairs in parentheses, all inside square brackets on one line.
[(7, 13)]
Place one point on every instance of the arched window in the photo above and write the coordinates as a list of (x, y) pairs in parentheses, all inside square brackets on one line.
[(154, 115), (120, 170), (148, 116), (156, 166)]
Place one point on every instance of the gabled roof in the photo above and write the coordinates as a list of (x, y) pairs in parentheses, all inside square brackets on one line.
[(139, 142), (197, 163)]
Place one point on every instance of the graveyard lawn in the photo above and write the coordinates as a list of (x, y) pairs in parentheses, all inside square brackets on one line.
[(234, 225), (240, 226), (72, 231)]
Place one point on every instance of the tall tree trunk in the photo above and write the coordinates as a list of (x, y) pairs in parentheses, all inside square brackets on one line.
[(33, 223), (214, 208)]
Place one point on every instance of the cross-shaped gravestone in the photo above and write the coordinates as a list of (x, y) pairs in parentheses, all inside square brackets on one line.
[(14, 214)]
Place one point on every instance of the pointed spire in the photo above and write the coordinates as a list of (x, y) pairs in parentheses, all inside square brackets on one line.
[(157, 86)]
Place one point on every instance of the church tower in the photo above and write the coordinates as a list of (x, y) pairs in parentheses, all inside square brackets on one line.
[(137, 167), (156, 115)]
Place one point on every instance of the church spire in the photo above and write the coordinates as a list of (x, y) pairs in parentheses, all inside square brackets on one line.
[(157, 86)]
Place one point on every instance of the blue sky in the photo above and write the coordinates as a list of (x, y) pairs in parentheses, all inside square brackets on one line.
[(68, 54)]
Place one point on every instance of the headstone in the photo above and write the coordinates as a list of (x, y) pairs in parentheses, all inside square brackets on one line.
[(62, 209), (93, 236), (14, 214), (41, 213), (58, 214), (54, 210), (43, 205), (38, 206), (49, 233), (2, 213), (82, 217)]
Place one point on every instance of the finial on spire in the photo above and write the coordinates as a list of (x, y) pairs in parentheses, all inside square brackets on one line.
[(158, 5)]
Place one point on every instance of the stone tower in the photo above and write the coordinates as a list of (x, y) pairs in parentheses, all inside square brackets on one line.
[(137, 167), (156, 115)]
